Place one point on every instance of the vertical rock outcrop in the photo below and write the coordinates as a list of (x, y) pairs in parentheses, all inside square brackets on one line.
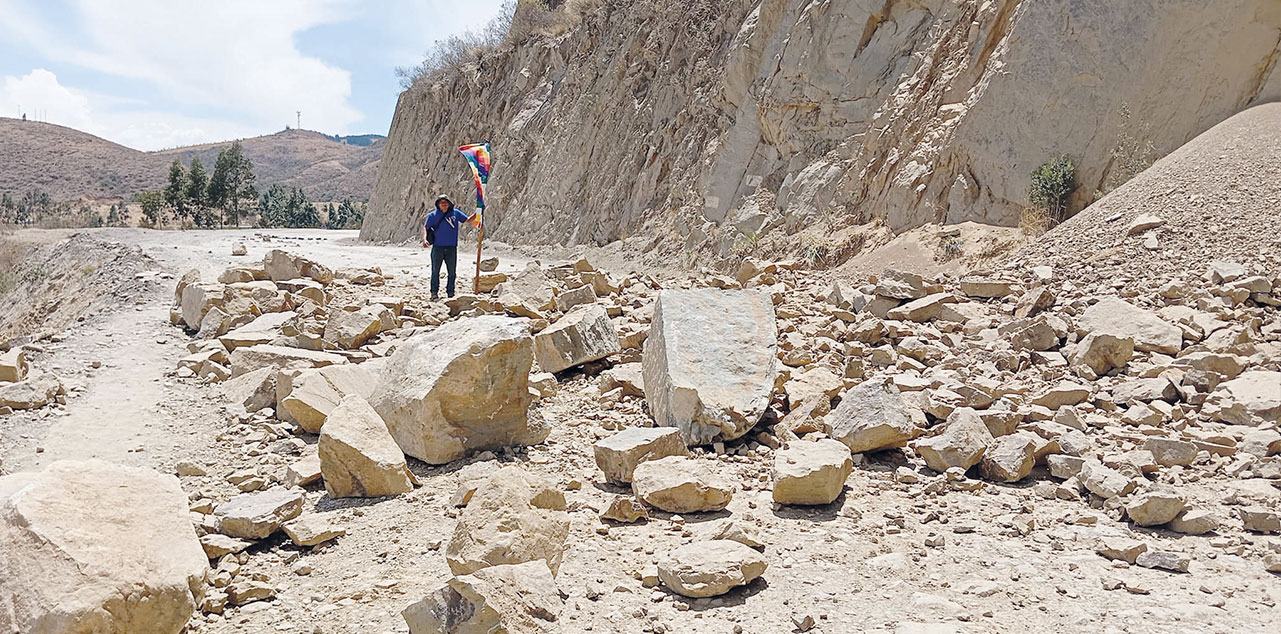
[(691, 124)]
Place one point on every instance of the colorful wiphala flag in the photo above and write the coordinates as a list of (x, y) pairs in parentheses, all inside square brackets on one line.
[(477, 155)]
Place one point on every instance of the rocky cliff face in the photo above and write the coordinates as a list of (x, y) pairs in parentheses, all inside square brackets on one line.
[(697, 122)]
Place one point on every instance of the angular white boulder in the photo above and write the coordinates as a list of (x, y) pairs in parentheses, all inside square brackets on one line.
[(246, 360), (1252, 398), (872, 416), (680, 485), (311, 394), (1121, 319), (618, 455), (710, 362), (258, 515), (462, 387), (13, 365), (513, 517), (964, 439), (350, 329), (583, 334), (37, 390), (97, 547), (280, 266), (1009, 458), (811, 472), (1100, 352), (358, 456), (263, 329), (710, 568)]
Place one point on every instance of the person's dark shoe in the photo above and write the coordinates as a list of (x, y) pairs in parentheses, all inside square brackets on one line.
[(451, 296), (434, 297)]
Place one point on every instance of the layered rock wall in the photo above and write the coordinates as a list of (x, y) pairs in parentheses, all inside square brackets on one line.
[(695, 122)]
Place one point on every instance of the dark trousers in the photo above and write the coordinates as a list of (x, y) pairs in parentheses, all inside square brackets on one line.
[(448, 255)]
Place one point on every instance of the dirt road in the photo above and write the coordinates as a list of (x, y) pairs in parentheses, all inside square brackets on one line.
[(125, 406)]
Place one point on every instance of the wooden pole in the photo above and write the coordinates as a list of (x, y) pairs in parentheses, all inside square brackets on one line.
[(480, 238)]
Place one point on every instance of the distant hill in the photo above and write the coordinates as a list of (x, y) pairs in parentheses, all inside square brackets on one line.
[(68, 163)]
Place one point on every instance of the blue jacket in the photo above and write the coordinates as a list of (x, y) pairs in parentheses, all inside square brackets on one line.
[(446, 226)]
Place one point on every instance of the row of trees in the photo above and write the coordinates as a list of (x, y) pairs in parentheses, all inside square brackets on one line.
[(38, 208), (195, 196), (26, 208), (225, 197), (289, 207)]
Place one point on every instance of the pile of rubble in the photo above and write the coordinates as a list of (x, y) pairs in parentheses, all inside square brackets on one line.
[(770, 379)]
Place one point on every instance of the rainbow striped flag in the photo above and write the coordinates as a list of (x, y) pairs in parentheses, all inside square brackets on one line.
[(477, 155)]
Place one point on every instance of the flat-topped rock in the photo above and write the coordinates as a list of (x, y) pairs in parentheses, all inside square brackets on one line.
[(618, 455), (710, 568), (258, 515), (358, 456), (680, 485), (97, 547), (1119, 318), (811, 472)]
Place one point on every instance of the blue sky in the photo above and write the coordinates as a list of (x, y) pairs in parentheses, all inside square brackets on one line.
[(152, 74)]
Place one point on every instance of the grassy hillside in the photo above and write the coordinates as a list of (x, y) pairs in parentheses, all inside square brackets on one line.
[(68, 163)]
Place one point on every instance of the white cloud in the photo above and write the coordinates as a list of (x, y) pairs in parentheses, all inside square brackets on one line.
[(235, 62), (39, 94)]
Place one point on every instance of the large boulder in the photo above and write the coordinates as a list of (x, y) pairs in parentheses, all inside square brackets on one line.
[(246, 360), (680, 485), (1100, 352), (583, 334), (286, 266), (710, 362), (711, 568), (811, 472), (872, 416), (311, 394), (1123, 320), (37, 390), (353, 328), (253, 390), (513, 517), (263, 329), (618, 455), (358, 456), (528, 293), (97, 547), (459, 388), (197, 299), (1253, 398), (510, 599), (1009, 458)]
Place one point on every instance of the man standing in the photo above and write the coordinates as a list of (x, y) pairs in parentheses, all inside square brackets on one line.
[(440, 232)]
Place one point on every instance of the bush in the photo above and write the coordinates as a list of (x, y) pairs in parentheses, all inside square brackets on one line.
[(517, 21), (949, 248), (448, 56), (1132, 153), (1052, 183)]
